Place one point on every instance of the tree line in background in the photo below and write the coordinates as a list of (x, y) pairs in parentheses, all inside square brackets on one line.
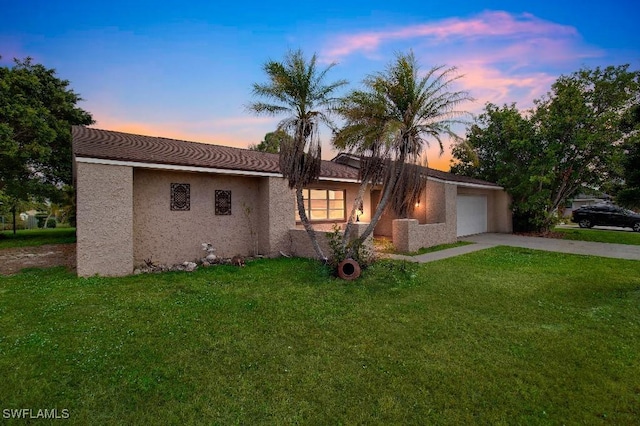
[(584, 134), (37, 110)]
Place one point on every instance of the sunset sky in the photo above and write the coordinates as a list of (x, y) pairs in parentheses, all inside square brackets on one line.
[(184, 70)]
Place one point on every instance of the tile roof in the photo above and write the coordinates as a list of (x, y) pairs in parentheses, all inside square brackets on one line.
[(354, 161), (109, 145)]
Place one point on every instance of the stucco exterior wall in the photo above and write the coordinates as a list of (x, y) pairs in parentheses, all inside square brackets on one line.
[(384, 226), (410, 235), (124, 217), (435, 208), (170, 237), (432, 208), (300, 244), (276, 215), (498, 208), (104, 219), (502, 214)]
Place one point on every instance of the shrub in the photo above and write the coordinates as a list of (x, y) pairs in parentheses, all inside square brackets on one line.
[(339, 252), (40, 219)]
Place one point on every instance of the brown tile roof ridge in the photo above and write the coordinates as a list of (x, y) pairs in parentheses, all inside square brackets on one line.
[(127, 147)]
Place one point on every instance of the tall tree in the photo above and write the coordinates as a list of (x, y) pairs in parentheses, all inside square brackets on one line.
[(502, 146), (297, 89), (272, 142), (389, 124), (37, 110), (572, 138)]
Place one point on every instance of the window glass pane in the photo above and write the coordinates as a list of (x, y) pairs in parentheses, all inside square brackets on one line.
[(318, 194), (318, 204), (318, 214), (336, 204), (323, 204)]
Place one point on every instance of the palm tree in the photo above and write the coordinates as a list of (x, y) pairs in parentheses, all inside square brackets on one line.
[(389, 124), (297, 89)]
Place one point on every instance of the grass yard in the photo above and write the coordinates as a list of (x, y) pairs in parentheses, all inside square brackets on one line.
[(384, 245), (37, 237), (499, 336), (425, 250), (600, 235)]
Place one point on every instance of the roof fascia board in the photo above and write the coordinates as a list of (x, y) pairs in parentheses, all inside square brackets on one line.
[(464, 184), (173, 167)]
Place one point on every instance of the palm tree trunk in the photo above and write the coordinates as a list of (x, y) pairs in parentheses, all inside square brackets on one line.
[(356, 205), (307, 225), (388, 190)]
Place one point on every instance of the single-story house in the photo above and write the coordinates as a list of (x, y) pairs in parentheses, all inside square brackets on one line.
[(143, 198)]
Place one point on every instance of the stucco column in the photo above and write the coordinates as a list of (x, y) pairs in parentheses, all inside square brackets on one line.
[(402, 232), (451, 210), (104, 218), (277, 216)]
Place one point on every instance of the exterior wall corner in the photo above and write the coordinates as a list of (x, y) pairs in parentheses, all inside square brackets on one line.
[(104, 220)]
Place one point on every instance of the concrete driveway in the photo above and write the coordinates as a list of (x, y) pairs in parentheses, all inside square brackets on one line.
[(618, 251), (484, 241)]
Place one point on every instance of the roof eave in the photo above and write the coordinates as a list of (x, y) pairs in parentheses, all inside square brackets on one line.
[(183, 168)]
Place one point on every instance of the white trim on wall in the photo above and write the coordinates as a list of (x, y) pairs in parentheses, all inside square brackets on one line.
[(175, 167), (466, 184)]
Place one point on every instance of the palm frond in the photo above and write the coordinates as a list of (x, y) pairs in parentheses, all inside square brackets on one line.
[(394, 119)]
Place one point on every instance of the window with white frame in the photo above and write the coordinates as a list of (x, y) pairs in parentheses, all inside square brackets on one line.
[(323, 204)]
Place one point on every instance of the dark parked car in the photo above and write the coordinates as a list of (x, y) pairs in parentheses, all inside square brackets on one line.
[(606, 215)]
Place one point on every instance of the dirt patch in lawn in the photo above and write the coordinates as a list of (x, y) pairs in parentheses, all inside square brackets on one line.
[(12, 260)]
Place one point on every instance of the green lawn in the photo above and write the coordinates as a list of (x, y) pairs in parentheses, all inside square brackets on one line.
[(37, 237), (425, 250), (499, 336), (386, 246), (601, 235)]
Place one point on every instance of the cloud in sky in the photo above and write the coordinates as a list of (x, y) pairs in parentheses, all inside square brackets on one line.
[(503, 57), (485, 25), (189, 78), (229, 131)]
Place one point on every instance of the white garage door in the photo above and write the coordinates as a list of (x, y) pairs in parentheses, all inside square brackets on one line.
[(472, 214)]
